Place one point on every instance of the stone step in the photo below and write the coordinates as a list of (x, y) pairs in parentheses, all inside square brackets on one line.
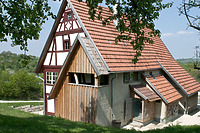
[(136, 124)]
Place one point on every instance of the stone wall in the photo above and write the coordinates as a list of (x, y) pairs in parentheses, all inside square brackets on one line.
[(192, 102), (148, 111)]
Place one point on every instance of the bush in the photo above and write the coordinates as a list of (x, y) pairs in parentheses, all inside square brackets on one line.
[(20, 85)]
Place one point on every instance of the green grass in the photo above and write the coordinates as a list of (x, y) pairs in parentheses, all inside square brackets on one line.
[(12, 120)]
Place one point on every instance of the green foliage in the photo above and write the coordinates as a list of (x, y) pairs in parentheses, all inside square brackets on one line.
[(17, 82), (189, 67), (14, 62), (19, 85), (12, 120), (133, 17), (21, 20)]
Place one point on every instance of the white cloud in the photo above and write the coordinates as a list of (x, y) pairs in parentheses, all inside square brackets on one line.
[(185, 32), (178, 33), (167, 34)]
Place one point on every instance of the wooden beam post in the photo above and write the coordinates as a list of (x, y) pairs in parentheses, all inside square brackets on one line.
[(96, 80)]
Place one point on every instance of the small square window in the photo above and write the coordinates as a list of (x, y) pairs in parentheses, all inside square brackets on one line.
[(69, 16), (126, 77), (66, 45)]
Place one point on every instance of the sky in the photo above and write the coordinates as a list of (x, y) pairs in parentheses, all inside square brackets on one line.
[(176, 35)]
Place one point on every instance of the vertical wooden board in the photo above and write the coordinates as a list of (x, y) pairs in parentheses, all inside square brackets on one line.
[(85, 103), (90, 104), (82, 104), (93, 103), (95, 106), (71, 102), (77, 101)]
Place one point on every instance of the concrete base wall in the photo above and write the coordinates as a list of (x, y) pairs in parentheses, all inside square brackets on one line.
[(103, 106)]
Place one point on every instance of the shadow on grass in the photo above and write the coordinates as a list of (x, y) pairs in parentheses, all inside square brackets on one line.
[(38, 124)]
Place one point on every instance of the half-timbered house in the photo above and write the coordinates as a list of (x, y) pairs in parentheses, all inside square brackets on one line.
[(88, 78)]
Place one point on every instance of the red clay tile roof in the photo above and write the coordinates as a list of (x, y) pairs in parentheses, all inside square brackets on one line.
[(143, 91), (119, 57), (164, 88)]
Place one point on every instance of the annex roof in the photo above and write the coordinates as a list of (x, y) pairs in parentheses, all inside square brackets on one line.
[(145, 92), (163, 88)]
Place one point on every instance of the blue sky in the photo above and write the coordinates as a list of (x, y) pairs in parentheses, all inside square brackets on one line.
[(179, 39)]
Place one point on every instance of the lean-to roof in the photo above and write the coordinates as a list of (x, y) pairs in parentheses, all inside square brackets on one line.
[(163, 88), (145, 93)]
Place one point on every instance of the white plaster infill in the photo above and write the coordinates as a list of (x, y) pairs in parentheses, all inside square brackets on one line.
[(2, 101)]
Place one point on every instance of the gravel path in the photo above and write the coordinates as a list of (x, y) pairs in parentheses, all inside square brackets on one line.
[(2, 101)]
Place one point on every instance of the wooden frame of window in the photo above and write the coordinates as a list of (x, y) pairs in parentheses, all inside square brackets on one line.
[(51, 77), (68, 46), (126, 77)]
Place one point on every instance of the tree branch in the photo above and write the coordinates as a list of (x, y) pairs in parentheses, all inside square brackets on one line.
[(187, 17)]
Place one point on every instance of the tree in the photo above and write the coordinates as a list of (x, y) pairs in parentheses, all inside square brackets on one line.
[(21, 20), (189, 8), (132, 16)]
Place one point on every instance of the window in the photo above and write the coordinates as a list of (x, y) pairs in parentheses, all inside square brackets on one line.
[(136, 76), (104, 80), (126, 77), (81, 78), (69, 16), (51, 77), (66, 45), (131, 77)]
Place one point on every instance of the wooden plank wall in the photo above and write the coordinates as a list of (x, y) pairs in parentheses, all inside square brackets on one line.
[(77, 103), (80, 63)]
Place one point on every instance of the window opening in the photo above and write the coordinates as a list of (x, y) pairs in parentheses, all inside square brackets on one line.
[(51, 77), (131, 77), (66, 45), (81, 78), (126, 77), (69, 16), (104, 80)]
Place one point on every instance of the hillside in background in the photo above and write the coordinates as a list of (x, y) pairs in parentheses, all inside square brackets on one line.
[(12, 61), (185, 61), (188, 65)]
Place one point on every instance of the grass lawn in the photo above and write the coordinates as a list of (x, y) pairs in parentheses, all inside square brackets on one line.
[(12, 120)]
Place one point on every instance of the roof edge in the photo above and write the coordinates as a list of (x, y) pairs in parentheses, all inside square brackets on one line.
[(87, 34), (165, 70), (154, 88), (48, 42)]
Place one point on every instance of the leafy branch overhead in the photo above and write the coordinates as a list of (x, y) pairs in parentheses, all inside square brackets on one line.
[(132, 16), (189, 8), (21, 20)]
